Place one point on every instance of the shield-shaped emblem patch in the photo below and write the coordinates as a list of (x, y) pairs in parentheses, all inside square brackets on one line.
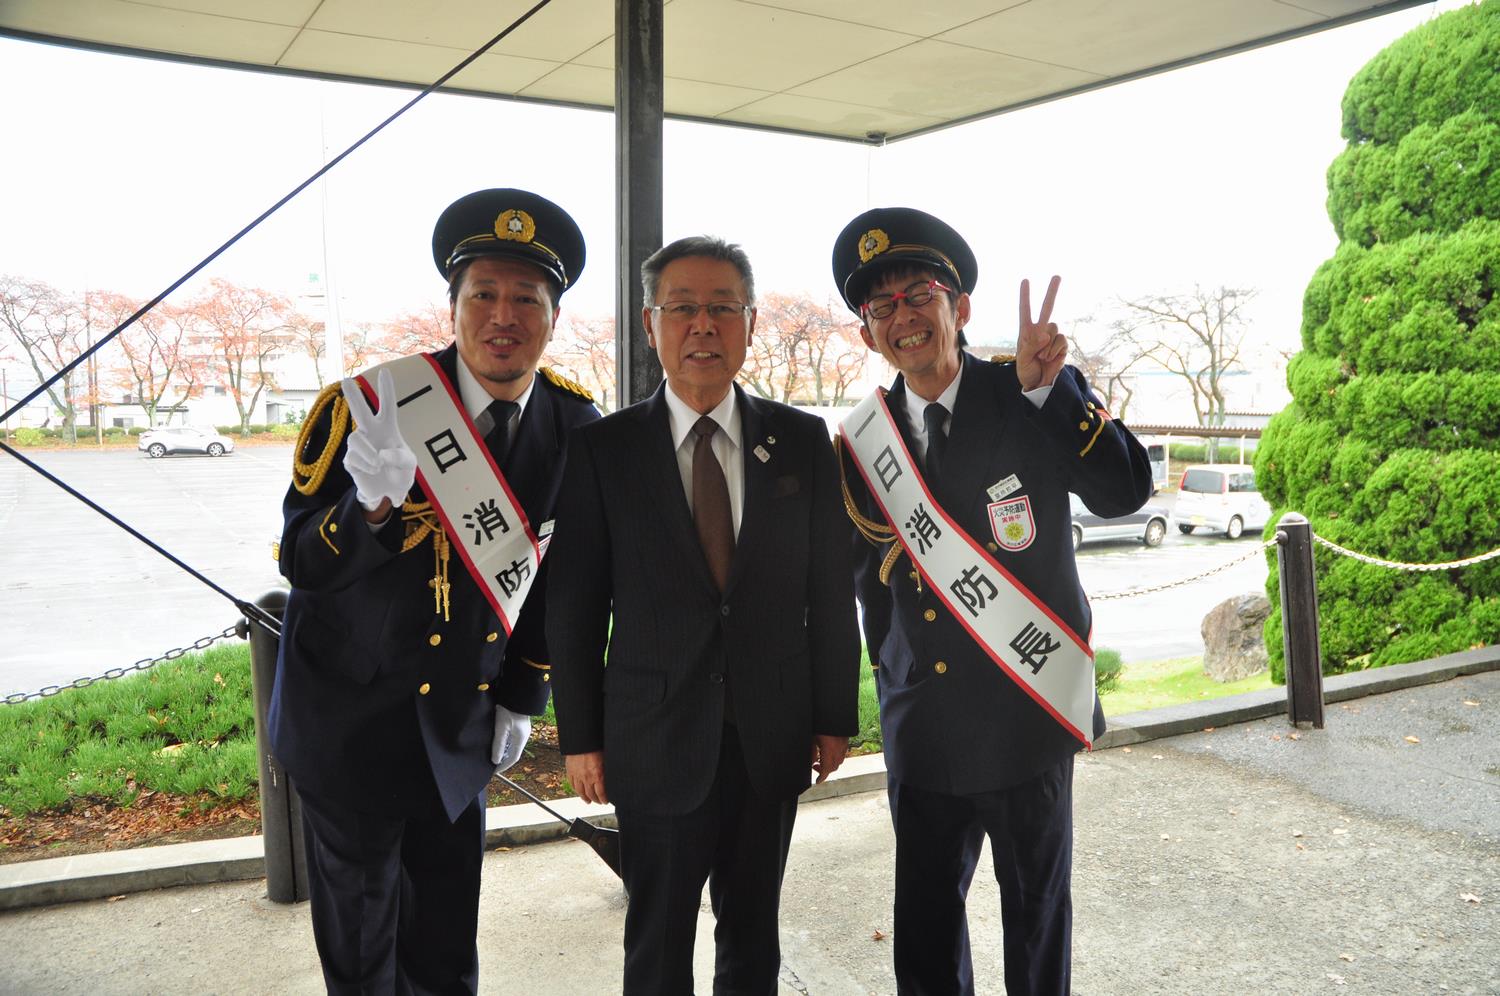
[(1011, 522)]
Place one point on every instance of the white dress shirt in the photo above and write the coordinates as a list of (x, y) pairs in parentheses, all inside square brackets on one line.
[(725, 443), (916, 406), (476, 399)]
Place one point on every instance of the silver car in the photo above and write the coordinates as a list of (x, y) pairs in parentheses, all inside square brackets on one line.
[(1149, 524), (166, 439)]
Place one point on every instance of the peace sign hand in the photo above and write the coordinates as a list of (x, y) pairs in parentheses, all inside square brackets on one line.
[(1040, 348), (377, 458)]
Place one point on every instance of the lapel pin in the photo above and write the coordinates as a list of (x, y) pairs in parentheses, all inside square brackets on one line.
[(760, 452)]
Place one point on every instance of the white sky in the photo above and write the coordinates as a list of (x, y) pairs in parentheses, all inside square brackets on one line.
[(122, 173)]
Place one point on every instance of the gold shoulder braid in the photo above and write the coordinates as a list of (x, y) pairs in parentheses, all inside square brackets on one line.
[(878, 533), (568, 386), (1003, 358), (307, 478)]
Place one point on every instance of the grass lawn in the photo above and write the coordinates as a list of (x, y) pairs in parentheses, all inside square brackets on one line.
[(1162, 683)]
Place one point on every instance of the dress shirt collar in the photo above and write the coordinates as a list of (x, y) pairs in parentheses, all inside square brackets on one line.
[(476, 399), (916, 404), (683, 418)]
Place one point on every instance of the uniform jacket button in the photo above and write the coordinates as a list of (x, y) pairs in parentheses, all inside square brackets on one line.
[(940, 667), (929, 615), (484, 686), (492, 638), (423, 688), (1083, 426), (435, 639)]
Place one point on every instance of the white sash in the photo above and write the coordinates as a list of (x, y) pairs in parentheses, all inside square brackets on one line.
[(1023, 636), (479, 513)]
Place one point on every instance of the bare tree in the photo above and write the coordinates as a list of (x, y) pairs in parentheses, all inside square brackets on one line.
[(1198, 336), (584, 350), (245, 327), (49, 326), (310, 337)]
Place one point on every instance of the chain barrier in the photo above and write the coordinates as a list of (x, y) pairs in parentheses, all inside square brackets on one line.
[(119, 672), (1398, 565), (1132, 592)]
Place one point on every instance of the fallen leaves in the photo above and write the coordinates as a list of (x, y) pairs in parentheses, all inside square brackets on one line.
[(1412, 740), (877, 936)]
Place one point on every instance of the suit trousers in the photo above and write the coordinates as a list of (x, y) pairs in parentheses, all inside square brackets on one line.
[(395, 899), (938, 840), (735, 840)]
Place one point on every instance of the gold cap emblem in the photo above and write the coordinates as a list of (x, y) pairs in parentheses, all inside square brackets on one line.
[(872, 244), (515, 226)]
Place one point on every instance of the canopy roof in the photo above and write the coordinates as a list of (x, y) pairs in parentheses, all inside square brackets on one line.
[(864, 70)]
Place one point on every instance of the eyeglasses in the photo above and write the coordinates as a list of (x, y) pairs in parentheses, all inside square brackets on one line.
[(918, 294), (686, 311)]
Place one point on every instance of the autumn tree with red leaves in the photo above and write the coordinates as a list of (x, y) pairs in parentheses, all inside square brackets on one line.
[(154, 356), (245, 327), (583, 349), (50, 327), (803, 351)]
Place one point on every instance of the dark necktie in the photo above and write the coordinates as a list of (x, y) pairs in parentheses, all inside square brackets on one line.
[(711, 512), (933, 417), (497, 436)]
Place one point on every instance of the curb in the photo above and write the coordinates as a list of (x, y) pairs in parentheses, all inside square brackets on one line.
[(46, 881)]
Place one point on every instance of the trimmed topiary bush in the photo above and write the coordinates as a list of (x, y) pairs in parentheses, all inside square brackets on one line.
[(1391, 445)]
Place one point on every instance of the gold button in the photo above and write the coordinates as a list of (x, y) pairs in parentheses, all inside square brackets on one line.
[(940, 667), (1091, 406), (492, 638), (484, 686), (929, 615), (423, 688), (435, 639), (992, 546), (333, 527), (1083, 426), (546, 677)]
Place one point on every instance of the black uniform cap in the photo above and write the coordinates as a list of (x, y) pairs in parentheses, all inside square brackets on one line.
[(516, 224), (870, 243)]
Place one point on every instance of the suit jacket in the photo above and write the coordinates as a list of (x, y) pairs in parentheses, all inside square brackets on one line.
[(378, 698), (968, 727), (627, 569)]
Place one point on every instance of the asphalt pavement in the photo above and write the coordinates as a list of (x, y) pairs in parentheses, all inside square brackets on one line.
[(1242, 857)]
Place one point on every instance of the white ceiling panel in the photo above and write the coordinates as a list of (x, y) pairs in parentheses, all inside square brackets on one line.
[(839, 68)]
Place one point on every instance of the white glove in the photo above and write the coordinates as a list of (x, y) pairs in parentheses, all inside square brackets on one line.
[(512, 730), (377, 457)]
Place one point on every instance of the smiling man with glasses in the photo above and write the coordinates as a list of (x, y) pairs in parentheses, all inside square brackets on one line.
[(957, 482), (701, 549)]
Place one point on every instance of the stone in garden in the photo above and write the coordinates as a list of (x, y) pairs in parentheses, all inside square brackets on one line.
[(1234, 646)]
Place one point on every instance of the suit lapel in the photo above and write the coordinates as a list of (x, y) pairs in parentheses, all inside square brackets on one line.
[(660, 467), (755, 425)]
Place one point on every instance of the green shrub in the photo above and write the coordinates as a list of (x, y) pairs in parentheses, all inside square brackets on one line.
[(27, 436), (286, 430), (1107, 668), (1391, 445)]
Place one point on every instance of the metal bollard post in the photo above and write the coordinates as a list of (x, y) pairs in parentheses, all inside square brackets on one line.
[(1299, 622), (280, 809)]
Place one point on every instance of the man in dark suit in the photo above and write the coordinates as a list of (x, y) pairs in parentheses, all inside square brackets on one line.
[(979, 733), (700, 535), (406, 676)]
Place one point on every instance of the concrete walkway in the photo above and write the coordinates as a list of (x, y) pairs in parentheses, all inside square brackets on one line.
[(1249, 858)]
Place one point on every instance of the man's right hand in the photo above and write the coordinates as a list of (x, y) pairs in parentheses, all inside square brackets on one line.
[(586, 773), (377, 458)]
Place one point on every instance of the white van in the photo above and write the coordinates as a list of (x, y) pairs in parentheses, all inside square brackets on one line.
[(1222, 497)]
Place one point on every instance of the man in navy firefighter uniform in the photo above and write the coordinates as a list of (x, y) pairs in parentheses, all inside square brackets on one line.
[(407, 674), (979, 732)]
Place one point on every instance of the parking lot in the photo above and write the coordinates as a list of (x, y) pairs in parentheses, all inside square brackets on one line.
[(81, 596)]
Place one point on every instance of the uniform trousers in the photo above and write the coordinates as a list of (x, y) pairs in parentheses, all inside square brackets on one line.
[(938, 840), (395, 899), (737, 841)]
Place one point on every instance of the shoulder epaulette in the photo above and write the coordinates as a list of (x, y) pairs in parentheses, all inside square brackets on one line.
[(309, 469), (564, 385), (1003, 358)]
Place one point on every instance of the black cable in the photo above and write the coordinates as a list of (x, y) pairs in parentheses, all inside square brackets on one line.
[(266, 214), (252, 611)]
